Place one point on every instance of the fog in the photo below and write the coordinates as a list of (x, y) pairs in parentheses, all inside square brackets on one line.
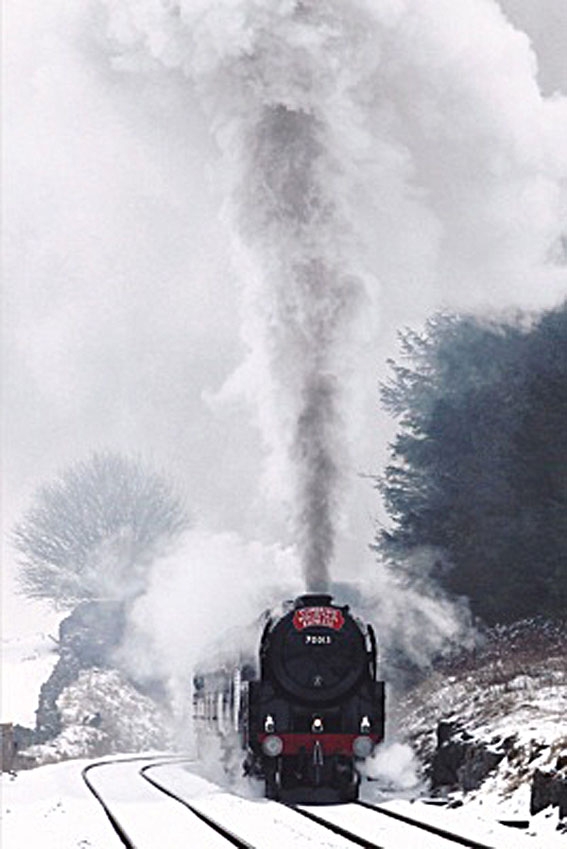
[(152, 266)]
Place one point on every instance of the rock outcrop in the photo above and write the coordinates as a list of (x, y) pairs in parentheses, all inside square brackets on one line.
[(549, 787), (462, 761), (87, 639)]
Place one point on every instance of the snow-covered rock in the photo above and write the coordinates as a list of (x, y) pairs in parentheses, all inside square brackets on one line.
[(88, 637), (549, 787), (102, 713), (489, 726)]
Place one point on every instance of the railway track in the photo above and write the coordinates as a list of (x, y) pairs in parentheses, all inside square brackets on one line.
[(432, 829), (143, 817), (155, 802), (373, 827), (258, 823)]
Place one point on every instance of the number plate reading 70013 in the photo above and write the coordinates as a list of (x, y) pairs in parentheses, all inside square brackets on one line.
[(318, 639)]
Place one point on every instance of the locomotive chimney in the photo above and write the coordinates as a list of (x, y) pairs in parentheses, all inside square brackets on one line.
[(313, 600)]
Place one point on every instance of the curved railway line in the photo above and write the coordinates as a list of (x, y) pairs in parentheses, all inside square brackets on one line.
[(123, 836), (213, 824), (190, 809)]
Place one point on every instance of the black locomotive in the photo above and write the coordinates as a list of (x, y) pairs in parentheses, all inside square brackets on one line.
[(311, 710)]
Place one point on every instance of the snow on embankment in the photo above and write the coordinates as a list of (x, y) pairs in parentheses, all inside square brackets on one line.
[(63, 698), (489, 726), (51, 807), (27, 661), (102, 713)]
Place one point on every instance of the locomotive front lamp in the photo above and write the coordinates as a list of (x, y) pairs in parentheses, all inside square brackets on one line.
[(272, 746), (317, 725), (365, 725), (269, 724), (362, 746)]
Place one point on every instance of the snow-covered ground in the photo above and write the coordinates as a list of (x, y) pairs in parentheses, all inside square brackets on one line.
[(27, 661), (51, 807), (511, 699), (496, 702)]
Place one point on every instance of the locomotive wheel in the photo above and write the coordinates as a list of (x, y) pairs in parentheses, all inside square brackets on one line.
[(348, 780), (350, 791), (273, 776)]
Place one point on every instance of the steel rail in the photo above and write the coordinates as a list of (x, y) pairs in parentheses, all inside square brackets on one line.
[(214, 824), (114, 821), (337, 829), (120, 831), (240, 843), (433, 829)]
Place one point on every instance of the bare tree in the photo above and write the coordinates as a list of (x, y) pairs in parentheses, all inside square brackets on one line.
[(93, 532)]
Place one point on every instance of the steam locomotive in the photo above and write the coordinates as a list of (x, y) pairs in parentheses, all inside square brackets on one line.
[(309, 710)]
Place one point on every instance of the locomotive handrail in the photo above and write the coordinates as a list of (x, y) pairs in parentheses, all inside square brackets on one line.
[(373, 653)]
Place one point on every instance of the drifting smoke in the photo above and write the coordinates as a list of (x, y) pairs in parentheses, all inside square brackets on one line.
[(206, 596), (289, 201), (289, 208), (277, 84), (379, 160), (401, 137), (394, 766)]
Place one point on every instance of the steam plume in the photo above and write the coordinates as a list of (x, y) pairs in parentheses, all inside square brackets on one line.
[(401, 136), (278, 97), (290, 211)]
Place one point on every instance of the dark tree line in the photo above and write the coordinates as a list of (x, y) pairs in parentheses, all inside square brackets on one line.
[(478, 470)]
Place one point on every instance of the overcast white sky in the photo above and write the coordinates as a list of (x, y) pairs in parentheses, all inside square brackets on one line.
[(121, 296)]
